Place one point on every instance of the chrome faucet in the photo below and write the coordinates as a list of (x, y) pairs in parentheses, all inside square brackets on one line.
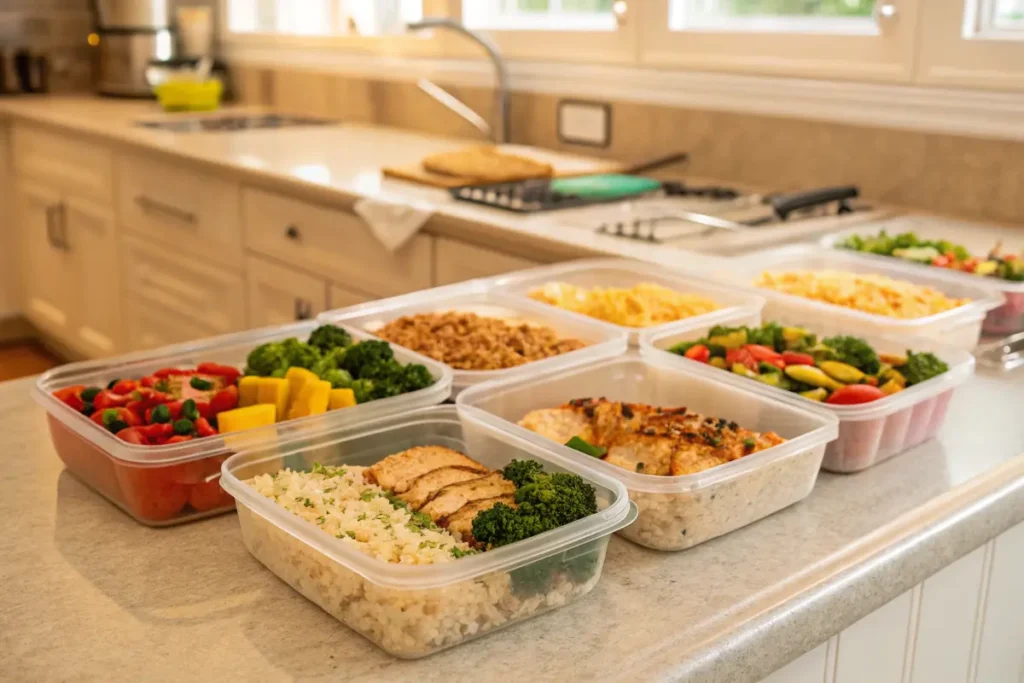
[(499, 131)]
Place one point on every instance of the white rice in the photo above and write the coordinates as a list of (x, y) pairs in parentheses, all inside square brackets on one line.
[(361, 515)]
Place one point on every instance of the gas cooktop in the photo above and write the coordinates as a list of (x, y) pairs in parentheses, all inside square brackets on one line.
[(221, 124)]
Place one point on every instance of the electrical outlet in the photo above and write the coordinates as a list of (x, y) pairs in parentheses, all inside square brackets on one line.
[(585, 123)]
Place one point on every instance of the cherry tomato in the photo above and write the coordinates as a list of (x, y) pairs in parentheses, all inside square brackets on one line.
[(156, 432), (149, 381), (208, 495), (225, 399), (104, 418), (124, 386), (109, 399), (854, 394), (204, 428), (71, 396), (151, 492), (133, 435), (226, 371), (794, 358), (763, 353), (941, 261), (741, 356), (699, 353), (178, 438)]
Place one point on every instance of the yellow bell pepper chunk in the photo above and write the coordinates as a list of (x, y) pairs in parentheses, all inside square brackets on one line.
[(341, 398), (240, 419), (248, 391), (298, 378), (312, 401), (274, 391)]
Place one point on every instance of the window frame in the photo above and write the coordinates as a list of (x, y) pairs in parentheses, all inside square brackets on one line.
[(990, 60)]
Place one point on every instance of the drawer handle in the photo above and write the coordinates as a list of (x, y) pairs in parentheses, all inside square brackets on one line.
[(303, 309), (56, 227), (292, 233), (150, 205)]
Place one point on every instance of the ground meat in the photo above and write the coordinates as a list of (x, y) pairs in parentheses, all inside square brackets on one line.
[(466, 341)]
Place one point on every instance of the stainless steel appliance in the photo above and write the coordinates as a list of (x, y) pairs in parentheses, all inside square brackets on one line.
[(132, 34)]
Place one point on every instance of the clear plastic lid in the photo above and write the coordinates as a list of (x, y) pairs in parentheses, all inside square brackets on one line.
[(744, 272), (656, 381), (441, 425), (977, 238), (624, 273), (960, 362), (231, 349), (602, 341)]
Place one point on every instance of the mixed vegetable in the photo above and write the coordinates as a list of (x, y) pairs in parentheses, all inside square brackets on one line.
[(282, 381), (941, 253), (840, 370)]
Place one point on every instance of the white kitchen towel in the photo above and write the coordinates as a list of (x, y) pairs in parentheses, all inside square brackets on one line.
[(393, 223)]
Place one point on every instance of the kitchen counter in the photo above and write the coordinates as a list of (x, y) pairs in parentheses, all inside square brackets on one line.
[(91, 595), (339, 164)]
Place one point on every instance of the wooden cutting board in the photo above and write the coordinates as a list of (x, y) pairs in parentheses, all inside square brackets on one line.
[(563, 164)]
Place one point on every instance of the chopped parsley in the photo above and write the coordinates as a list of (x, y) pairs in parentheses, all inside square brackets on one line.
[(639, 467), (308, 503), (749, 444), (328, 471), (367, 495), (321, 519), (361, 517), (458, 553), (428, 544)]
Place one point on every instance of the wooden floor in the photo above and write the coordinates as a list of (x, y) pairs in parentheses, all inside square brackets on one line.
[(24, 359)]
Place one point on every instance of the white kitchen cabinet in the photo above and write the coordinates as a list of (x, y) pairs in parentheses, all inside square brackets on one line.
[(68, 163), (203, 300), (88, 236), (149, 327), (456, 261), (334, 244), (48, 282), (279, 295), (339, 297)]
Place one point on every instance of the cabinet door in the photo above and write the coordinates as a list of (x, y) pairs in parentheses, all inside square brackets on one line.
[(458, 261), (96, 318), (48, 273), (280, 295), (343, 298)]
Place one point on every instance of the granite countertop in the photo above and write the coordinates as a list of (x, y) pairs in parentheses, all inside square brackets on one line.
[(89, 594), (342, 163)]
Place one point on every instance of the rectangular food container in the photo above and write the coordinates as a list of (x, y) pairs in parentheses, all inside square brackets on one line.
[(412, 611), (626, 273), (601, 340), (675, 513), (959, 327), (868, 433), (1003, 320), (166, 485)]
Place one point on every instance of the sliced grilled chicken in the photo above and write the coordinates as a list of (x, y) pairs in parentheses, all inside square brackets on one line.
[(424, 488), (460, 524), (558, 424), (397, 472), (453, 497)]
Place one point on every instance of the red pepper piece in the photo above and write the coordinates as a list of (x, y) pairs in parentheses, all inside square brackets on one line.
[(72, 396), (854, 394), (763, 353), (699, 353), (164, 373), (124, 386), (158, 431), (133, 435), (741, 356), (178, 438), (108, 399), (204, 428), (225, 399), (226, 371), (794, 358)]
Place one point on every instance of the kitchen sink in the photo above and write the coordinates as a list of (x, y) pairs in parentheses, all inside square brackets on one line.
[(221, 124)]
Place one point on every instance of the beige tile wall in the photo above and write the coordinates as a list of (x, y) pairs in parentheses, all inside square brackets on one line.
[(956, 175)]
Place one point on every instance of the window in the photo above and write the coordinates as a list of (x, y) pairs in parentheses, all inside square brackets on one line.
[(1009, 15), (540, 15), (973, 44), (321, 17), (774, 16)]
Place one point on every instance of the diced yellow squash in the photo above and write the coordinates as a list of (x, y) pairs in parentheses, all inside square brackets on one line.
[(240, 419), (341, 398), (275, 391), (297, 378), (248, 391), (312, 401)]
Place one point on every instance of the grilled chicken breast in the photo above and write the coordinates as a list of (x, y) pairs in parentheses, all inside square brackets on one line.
[(425, 487), (397, 472), (453, 497), (460, 524), (647, 439)]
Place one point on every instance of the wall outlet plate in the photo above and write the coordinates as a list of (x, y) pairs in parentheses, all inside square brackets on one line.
[(587, 123)]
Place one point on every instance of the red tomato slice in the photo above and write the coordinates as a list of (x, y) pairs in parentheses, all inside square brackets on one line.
[(151, 493)]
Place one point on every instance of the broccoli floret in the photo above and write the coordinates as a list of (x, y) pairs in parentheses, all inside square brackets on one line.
[(856, 352), (364, 360), (921, 367), (416, 377), (339, 379), (522, 472), (545, 502), (363, 390), (299, 354), (265, 359), (769, 334), (328, 337)]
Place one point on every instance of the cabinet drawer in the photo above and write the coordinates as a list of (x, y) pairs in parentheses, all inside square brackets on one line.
[(457, 261), (334, 244), (152, 328), (280, 295), (78, 167), (193, 212), (210, 300)]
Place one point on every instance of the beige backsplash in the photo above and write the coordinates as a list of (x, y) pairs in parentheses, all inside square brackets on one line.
[(975, 178)]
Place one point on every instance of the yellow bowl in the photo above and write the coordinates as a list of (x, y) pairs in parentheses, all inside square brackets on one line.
[(189, 96)]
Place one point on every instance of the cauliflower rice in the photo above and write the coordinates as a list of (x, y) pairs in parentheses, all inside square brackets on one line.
[(405, 622)]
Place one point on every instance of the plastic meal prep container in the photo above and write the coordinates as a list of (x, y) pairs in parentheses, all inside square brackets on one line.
[(626, 273), (678, 512), (601, 340), (869, 433), (415, 610), (959, 327), (165, 485), (1003, 320)]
